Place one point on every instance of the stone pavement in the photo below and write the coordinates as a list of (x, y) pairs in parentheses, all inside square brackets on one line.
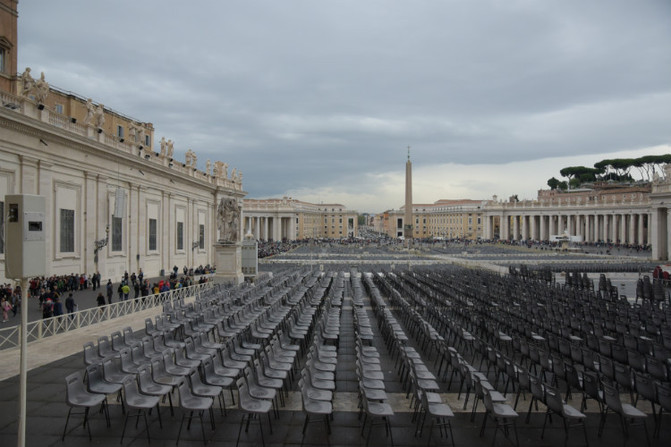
[(53, 359)]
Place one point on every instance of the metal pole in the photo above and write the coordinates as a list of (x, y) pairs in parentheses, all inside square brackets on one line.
[(23, 375)]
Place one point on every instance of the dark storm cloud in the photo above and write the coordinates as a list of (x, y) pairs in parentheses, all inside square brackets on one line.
[(303, 93)]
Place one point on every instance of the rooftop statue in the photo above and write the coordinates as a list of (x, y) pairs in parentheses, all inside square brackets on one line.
[(99, 116), (28, 82), (163, 146), (171, 148), (41, 88), (90, 111)]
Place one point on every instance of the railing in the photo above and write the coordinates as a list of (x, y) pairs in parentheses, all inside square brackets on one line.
[(37, 330)]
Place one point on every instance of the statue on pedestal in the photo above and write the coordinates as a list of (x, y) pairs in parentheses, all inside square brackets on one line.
[(163, 144), (41, 89), (228, 217), (28, 82), (208, 166), (99, 116), (171, 148), (90, 111)]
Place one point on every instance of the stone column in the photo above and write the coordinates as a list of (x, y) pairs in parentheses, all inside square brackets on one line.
[(668, 232), (632, 228), (641, 234), (542, 236), (277, 228), (166, 236), (292, 228)]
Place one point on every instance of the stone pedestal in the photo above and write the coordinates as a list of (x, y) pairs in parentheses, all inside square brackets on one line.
[(228, 260)]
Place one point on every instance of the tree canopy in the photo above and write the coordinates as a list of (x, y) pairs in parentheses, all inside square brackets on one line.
[(615, 169)]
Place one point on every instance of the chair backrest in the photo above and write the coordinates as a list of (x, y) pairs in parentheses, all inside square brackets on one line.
[(74, 383), (553, 400), (487, 400), (144, 376), (536, 388), (117, 341), (590, 384), (664, 396), (611, 398), (94, 373), (126, 358), (90, 354), (644, 386)]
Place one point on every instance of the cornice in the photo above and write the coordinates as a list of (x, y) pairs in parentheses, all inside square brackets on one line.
[(40, 130)]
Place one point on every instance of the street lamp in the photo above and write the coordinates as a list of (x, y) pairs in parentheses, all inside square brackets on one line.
[(195, 245), (99, 244)]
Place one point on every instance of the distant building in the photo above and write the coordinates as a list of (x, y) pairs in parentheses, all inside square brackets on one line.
[(291, 219), (446, 218)]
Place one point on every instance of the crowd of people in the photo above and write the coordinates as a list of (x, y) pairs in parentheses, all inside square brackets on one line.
[(50, 290), (64, 283)]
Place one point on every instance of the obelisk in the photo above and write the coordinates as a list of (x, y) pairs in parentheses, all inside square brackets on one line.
[(407, 220)]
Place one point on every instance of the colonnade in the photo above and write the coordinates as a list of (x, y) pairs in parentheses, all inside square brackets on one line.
[(633, 227), (271, 228)]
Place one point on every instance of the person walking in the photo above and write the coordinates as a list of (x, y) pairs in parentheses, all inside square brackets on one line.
[(100, 300), (4, 304)]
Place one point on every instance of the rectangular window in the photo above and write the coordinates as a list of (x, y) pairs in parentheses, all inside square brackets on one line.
[(67, 231), (59, 108), (119, 131), (2, 60), (180, 235), (2, 227), (147, 140), (201, 236), (117, 233), (152, 234)]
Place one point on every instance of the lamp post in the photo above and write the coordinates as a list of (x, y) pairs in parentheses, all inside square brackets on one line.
[(99, 244)]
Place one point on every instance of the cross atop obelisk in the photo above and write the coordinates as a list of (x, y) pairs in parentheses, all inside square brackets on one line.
[(407, 219)]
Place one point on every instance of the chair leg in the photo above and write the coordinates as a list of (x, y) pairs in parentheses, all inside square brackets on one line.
[(66, 424), (242, 421)]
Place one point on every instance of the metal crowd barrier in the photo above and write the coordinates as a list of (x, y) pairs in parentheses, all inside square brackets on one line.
[(39, 329)]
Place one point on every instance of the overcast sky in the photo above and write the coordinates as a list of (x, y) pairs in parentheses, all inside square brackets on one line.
[(319, 100)]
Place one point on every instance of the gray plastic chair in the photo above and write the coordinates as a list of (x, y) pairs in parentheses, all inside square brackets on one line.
[(629, 415), (252, 407), (77, 396), (570, 416), (151, 388), (97, 383), (139, 402), (314, 407), (193, 404), (440, 414), (198, 388), (503, 415)]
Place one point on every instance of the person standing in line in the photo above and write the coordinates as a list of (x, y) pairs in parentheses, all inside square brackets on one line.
[(58, 306), (125, 289), (16, 303), (110, 291), (70, 304)]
